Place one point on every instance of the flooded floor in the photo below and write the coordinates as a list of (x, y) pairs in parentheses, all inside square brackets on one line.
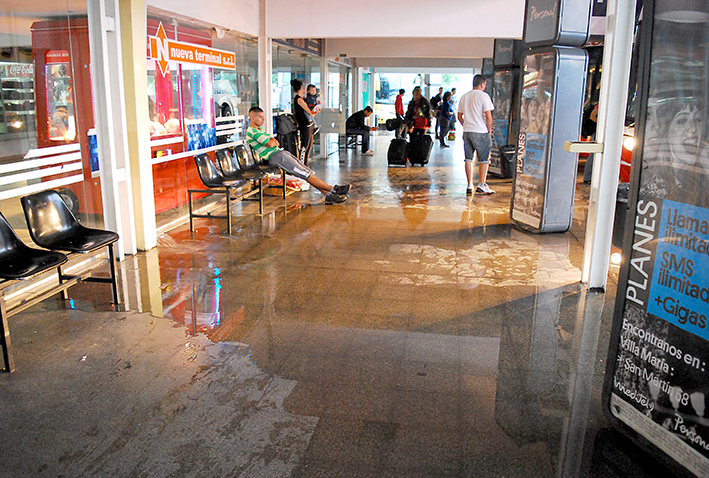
[(409, 332)]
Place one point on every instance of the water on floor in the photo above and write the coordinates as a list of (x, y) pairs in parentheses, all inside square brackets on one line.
[(410, 332)]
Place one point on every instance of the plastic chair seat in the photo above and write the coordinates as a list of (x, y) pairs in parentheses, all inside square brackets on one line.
[(87, 241), (20, 261), (52, 225)]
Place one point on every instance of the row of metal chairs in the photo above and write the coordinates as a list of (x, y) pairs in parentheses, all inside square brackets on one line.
[(53, 227), (235, 168)]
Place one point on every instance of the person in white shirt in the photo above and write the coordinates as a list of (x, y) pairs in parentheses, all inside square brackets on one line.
[(475, 114)]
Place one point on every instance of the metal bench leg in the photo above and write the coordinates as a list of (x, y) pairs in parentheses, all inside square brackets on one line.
[(112, 267), (260, 196), (189, 200), (283, 177), (5, 337), (64, 292), (228, 211)]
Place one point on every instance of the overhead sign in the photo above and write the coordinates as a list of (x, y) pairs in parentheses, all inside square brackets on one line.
[(545, 25), (163, 50)]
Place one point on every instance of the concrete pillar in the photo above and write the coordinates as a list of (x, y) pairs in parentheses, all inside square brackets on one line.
[(265, 67), (134, 31), (620, 24), (110, 121)]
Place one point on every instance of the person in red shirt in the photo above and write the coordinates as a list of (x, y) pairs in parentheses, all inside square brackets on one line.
[(400, 112)]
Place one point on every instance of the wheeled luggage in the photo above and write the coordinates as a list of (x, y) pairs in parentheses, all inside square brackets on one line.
[(420, 149), (396, 155)]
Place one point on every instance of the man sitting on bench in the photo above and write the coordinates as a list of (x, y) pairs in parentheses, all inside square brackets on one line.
[(357, 125), (268, 149)]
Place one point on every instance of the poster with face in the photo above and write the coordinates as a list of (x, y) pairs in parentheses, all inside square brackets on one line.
[(657, 382), (502, 99), (532, 143)]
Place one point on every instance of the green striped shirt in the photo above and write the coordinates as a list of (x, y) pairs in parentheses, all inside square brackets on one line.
[(258, 139)]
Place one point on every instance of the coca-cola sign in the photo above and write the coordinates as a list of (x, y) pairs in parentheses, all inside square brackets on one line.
[(24, 69)]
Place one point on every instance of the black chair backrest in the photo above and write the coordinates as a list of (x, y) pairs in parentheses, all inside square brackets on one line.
[(9, 242), (208, 173), (229, 167), (242, 154), (255, 156), (48, 217)]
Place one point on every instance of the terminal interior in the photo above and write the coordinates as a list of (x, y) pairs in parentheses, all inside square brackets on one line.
[(412, 331)]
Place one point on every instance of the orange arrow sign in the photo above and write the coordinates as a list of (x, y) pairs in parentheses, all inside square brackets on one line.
[(163, 51)]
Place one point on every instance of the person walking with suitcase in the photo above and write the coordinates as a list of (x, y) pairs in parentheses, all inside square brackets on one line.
[(475, 115), (418, 118)]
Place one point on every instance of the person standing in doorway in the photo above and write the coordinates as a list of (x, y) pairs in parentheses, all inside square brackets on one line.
[(444, 118), (304, 117), (454, 107), (475, 115), (400, 112), (436, 109)]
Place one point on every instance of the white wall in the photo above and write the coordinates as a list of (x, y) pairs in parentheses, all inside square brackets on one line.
[(394, 18), (237, 15)]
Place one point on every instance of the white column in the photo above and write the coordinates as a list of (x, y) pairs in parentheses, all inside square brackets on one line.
[(620, 23), (110, 121), (358, 77), (265, 67), (324, 96), (133, 28), (372, 98)]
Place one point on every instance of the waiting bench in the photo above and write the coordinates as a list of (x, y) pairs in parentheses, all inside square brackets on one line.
[(54, 227)]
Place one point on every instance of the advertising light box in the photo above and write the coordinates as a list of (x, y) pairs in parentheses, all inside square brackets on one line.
[(550, 113), (657, 380), (556, 22)]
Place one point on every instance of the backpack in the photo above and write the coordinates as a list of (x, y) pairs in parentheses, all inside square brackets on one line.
[(285, 124)]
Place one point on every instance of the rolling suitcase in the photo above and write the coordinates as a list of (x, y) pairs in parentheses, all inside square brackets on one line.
[(420, 149), (396, 155)]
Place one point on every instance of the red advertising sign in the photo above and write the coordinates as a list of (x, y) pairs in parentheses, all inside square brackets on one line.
[(56, 56), (164, 50), (25, 69)]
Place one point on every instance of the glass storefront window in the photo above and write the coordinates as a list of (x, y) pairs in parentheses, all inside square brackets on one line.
[(46, 112), (164, 101)]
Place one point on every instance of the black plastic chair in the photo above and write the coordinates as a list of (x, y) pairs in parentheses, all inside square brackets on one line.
[(52, 226), (229, 168), (247, 156), (19, 262), (217, 183)]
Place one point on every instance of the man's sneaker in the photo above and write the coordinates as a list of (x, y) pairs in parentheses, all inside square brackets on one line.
[(341, 189), (484, 189), (469, 192), (368, 153), (333, 198)]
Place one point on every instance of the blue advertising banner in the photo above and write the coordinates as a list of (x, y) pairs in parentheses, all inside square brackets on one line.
[(679, 292), (535, 148)]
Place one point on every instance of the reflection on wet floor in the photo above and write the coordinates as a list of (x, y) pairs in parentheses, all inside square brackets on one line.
[(414, 331)]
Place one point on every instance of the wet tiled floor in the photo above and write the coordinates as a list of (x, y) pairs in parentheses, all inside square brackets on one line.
[(410, 332)]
